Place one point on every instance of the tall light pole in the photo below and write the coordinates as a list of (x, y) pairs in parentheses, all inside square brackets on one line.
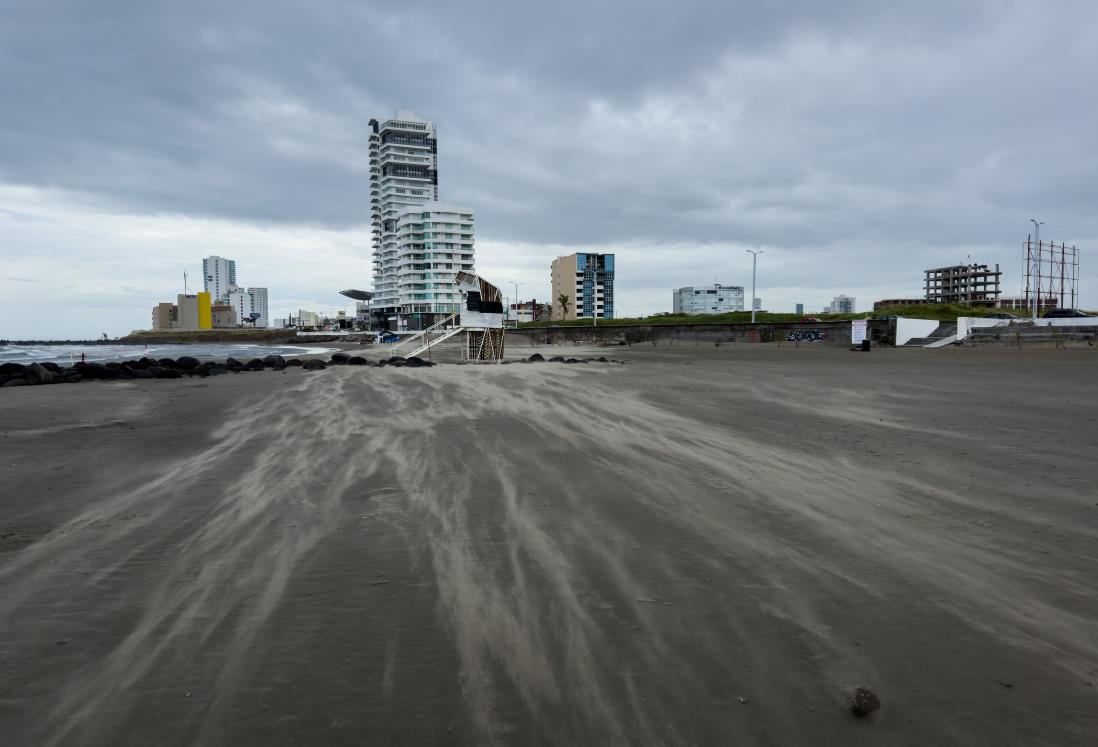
[(516, 285), (1037, 241), (754, 267)]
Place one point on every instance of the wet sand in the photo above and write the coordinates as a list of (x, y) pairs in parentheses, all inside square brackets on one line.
[(704, 546)]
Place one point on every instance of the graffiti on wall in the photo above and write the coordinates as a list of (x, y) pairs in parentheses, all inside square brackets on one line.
[(807, 335)]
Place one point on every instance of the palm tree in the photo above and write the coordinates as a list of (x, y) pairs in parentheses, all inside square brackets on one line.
[(562, 299)]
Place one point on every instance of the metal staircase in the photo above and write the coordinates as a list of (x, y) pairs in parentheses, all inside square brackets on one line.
[(418, 335), (431, 343)]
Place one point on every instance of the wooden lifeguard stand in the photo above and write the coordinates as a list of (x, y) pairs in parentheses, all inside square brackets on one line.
[(481, 319)]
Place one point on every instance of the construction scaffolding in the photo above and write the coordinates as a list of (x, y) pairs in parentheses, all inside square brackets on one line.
[(1052, 273)]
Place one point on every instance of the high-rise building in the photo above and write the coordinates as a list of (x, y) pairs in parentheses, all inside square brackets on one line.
[(842, 305), (434, 241), (218, 277), (258, 297), (241, 301), (800, 309), (403, 175), (717, 299), (588, 282)]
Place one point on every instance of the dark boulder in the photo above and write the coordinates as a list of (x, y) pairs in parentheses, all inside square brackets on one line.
[(91, 370), (256, 364), (119, 374), (74, 379), (36, 373), (218, 371), (557, 359), (277, 362), (201, 371), (146, 362), (294, 362), (238, 368), (230, 362), (4, 378), (417, 362), (536, 358), (602, 359), (51, 366), (10, 369), (864, 702), (357, 361), (187, 363), (14, 382), (141, 373), (314, 364), (168, 373), (113, 364), (166, 363), (340, 359)]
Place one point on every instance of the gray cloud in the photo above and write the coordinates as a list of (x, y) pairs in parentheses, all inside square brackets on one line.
[(857, 139)]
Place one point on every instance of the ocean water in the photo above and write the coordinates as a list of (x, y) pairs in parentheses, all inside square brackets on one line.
[(67, 354)]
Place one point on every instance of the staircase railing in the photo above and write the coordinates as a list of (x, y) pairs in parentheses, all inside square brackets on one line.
[(431, 343), (433, 328)]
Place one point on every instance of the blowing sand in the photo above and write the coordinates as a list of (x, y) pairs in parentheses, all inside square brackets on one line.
[(703, 546)]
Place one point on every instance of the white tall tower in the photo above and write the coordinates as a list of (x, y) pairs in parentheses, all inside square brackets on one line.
[(258, 298), (403, 174), (218, 278)]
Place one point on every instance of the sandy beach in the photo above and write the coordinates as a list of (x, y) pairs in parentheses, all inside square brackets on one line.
[(703, 545)]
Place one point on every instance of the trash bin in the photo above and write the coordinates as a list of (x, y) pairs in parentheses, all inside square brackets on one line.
[(865, 346)]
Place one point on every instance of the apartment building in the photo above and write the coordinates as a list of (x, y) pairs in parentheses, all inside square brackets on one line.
[(588, 282)]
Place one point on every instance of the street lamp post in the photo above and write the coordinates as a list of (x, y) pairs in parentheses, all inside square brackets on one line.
[(754, 267), (517, 310), (1037, 241)]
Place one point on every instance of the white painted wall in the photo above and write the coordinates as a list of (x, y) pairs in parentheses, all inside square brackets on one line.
[(907, 329)]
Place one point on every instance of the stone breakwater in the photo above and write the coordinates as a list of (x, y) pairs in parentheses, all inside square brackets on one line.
[(18, 374)]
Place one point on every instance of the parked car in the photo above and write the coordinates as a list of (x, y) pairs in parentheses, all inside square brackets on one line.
[(1064, 313)]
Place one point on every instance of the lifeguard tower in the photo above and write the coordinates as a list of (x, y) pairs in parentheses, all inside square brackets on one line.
[(480, 321)]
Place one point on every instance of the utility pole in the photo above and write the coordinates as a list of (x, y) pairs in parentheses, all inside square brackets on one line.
[(754, 267), (1037, 286)]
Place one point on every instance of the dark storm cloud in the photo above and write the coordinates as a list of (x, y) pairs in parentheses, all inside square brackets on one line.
[(832, 131)]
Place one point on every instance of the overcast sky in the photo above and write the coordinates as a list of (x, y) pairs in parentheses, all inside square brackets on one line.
[(854, 143)]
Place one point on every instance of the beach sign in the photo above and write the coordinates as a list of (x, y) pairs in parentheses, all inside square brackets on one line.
[(859, 331)]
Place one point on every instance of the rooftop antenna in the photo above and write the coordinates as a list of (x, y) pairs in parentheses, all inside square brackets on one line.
[(184, 282)]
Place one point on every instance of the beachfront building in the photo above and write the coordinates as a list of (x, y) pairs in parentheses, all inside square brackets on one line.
[(841, 305), (588, 282), (715, 299), (403, 175), (193, 312), (432, 243), (218, 277), (163, 316), (223, 316), (242, 305), (258, 298)]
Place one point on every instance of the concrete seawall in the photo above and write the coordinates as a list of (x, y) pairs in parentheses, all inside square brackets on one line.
[(812, 333)]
